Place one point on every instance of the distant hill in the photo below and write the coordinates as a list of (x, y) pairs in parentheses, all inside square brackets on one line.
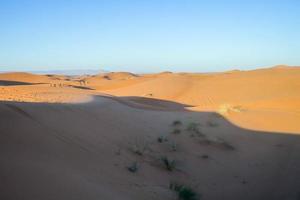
[(74, 72)]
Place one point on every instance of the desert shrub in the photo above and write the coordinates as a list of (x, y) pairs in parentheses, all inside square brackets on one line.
[(177, 123), (187, 193), (175, 186), (219, 143), (176, 131), (226, 145), (138, 150), (140, 146), (225, 109), (162, 139), (194, 129), (211, 124), (169, 164), (184, 192), (133, 167), (173, 146)]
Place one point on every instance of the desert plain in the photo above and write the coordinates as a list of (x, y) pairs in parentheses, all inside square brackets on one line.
[(226, 135)]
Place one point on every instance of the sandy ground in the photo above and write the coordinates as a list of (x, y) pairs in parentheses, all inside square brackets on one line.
[(75, 137)]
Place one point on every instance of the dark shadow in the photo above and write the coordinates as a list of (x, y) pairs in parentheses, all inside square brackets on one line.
[(151, 103), (81, 87), (46, 147), (12, 83)]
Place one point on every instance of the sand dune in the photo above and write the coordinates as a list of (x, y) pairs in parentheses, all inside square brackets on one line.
[(237, 95), (75, 137), (274, 89), (23, 77)]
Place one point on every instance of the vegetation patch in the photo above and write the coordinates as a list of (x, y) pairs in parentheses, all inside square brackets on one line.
[(168, 163), (140, 146), (184, 192), (133, 167), (177, 123), (219, 143), (176, 131), (162, 139), (194, 129), (173, 146), (212, 124)]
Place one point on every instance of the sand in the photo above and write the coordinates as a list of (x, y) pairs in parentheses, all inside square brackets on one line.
[(74, 137)]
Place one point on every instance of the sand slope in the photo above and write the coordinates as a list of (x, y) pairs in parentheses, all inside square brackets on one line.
[(81, 151)]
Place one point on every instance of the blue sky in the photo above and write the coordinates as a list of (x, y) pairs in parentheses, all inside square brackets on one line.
[(148, 36)]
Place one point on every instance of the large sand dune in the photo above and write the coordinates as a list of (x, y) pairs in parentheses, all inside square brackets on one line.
[(74, 137)]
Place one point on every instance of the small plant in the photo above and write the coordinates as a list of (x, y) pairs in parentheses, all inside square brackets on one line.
[(169, 164), (175, 186), (187, 193), (139, 147), (194, 129), (226, 145), (177, 123), (174, 146), (176, 131), (211, 124), (138, 150), (133, 167), (204, 156), (184, 192), (162, 139), (219, 143)]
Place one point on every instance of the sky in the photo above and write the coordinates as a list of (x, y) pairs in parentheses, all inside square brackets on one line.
[(148, 36)]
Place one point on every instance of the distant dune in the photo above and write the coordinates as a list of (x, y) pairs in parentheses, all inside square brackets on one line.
[(23, 77), (229, 135)]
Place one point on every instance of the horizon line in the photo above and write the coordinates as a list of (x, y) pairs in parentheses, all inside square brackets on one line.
[(101, 70)]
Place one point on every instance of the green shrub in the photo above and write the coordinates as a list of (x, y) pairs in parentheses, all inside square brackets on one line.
[(184, 192)]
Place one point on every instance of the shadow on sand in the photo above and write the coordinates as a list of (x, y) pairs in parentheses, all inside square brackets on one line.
[(81, 87), (64, 151), (13, 83)]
